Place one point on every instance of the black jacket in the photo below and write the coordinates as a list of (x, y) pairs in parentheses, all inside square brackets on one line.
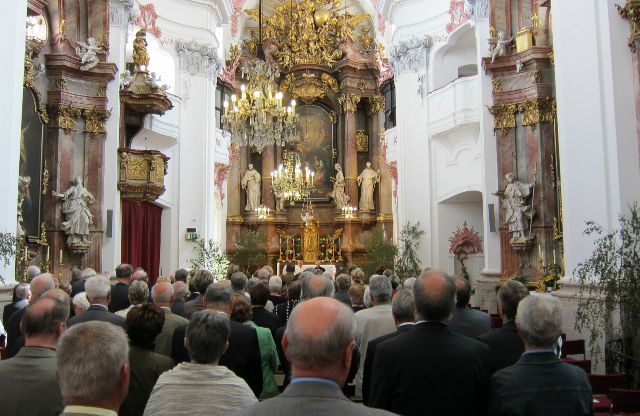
[(97, 313), (505, 344), (540, 384), (431, 370), (119, 297), (266, 319)]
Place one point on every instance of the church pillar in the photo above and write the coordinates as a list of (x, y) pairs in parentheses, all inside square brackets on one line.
[(13, 32), (234, 199), (378, 160), (268, 165), (349, 107)]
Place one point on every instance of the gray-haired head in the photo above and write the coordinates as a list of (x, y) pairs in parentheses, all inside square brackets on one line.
[(380, 289), (403, 306), (138, 292), (32, 271), (435, 296), (40, 284), (98, 289), (343, 281), (509, 297), (90, 357), (264, 275), (218, 295), (207, 335), (327, 275), (275, 284), (324, 342), (539, 320), (140, 274), (162, 293), (81, 302), (317, 286), (87, 273), (408, 283), (239, 281), (22, 291)]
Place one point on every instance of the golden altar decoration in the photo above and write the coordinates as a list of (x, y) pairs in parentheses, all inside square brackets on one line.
[(141, 174)]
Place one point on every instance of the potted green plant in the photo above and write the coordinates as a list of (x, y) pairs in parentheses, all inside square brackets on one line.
[(407, 263)]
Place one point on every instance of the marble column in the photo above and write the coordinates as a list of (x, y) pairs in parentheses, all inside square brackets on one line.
[(350, 157), (13, 32), (268, 165)]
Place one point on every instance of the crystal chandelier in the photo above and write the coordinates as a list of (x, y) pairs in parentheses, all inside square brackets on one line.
[(290, 182)]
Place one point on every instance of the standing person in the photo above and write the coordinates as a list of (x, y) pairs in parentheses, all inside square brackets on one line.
[(120, 291), (448, 371), (98, 289), (465, 320), (21, 296), (162, 294)]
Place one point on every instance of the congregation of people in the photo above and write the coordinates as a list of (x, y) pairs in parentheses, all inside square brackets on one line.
[(305, 342)]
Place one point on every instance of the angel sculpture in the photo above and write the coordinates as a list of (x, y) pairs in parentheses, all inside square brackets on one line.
[(500, 49), (125, 79), (88, 53)]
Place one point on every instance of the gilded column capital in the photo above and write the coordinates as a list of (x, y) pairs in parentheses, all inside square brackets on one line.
[(95, 119), (199, 58), (349, 102), (631, 12), (65, 116), (376, 104), (504, 115), (536, 110)]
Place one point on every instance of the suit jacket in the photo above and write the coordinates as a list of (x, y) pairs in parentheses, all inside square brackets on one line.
[(505, 344), (242, 357), (433, 367), (371, 353), (540, 384), (14, 333), (77, 287), (178, 307), (266, 319), (193, 306), (97, 313), (310, 399), (28, 384), (11, 308), (146, 366), (119, 297), (470, 322), (164, 340)]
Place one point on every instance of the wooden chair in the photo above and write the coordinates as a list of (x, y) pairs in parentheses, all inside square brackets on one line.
[(584, 364), (624, 400), (603, 383), (573, 347)]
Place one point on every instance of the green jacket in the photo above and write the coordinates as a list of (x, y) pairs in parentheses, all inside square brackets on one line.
[(269, 358)]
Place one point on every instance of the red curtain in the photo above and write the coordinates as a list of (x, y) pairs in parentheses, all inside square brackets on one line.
[(141, 222)]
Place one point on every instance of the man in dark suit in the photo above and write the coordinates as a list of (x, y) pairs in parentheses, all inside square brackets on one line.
[(28, 381), (200, 281), (21, 296), (317, 268), (343, 283), (180, 290), (98, 289), (243, 355), (120, 291), (319, 368), (431, 367), (402, 310), (540, 383), (262, 317), (466, 321), (39, 285), (505, 343)]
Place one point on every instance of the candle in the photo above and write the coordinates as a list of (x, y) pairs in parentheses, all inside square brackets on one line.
[(554, 256), (539, 251), (25, 254), (47, 253), (60, 256)]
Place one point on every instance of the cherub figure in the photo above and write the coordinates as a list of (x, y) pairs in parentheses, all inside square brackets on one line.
[(88, 53), (501, 44)]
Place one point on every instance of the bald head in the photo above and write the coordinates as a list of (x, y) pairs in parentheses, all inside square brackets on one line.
[(58, 294), (40, 284), (162, 294), (43, 319), (435, 295), (318, 333), (140, 274), (317, 286)]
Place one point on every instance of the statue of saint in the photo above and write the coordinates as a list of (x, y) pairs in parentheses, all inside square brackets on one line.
[(140, 54), (517, 210), (339, 196), (367, 181), (251, 184), (76, 211)]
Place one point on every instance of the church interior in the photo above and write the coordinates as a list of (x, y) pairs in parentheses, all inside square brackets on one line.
[(496, 140)]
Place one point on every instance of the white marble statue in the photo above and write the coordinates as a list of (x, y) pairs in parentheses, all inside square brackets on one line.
[(23, 196), (339, 196), (88, 53), (501, 46), (517, 210), (367, 181), (251, 184), (76, 211), (125, 79)]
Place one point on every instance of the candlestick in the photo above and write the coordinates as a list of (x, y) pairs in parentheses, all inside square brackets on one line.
[(539, 251), (47, 254), (61, 257), (554, 256)]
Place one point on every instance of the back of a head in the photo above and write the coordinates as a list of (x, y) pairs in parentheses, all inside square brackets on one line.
[(76, 274), (201, 280), (269, 269), (380, 288), (293, 290), (317, 286), (290, 268), (140, 274), (80, 301), (233, 268), (408, 283), (23, 291), (318, 332), (218, 294), (275, 284), (90, 357), (435, 296), (242, 311), (207, 334), (181, 275), (32, 272), (403, 306), (539, 320), (264, 275), (343, 281), (259, 294), (40, 284), (239, 281), (463, 291), (162, 292), (87, 273), (509, 297), (358, 275), (356, 294), (97, 288), (59, 294), (143, 324), (43, 317), (252, 282), (138, 292), (180, 290), (124, 271)]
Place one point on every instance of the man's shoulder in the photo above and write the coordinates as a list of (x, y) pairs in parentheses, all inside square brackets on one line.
[(175, 320)]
